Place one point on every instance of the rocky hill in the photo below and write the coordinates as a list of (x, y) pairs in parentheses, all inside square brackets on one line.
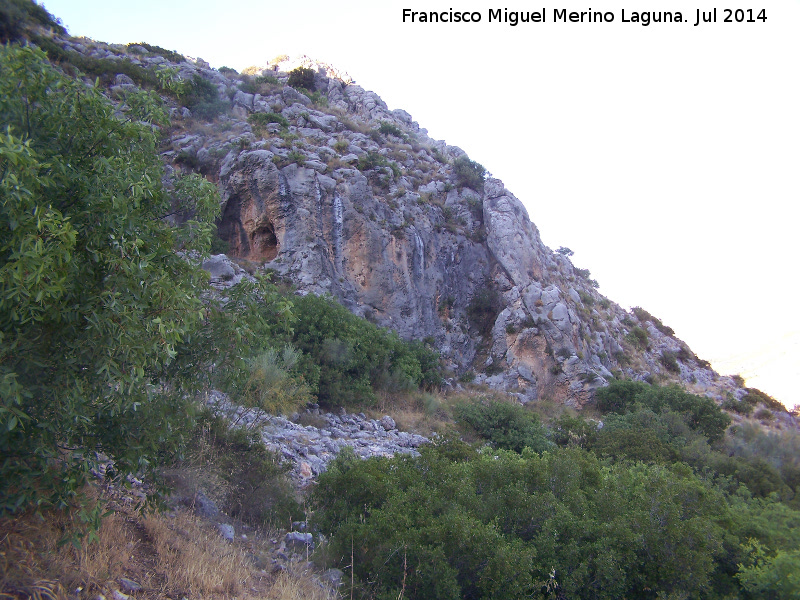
[(325, 186)]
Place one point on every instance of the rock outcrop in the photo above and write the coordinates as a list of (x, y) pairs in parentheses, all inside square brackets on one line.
[(309, 448), (333, 191)]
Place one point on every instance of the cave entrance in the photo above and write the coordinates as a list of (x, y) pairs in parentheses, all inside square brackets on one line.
[(263, 242)]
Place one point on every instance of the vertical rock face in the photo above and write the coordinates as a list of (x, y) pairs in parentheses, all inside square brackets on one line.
[(362, 205)]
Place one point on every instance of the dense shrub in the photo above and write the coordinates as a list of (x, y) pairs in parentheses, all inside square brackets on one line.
[(258, 491), (699, 413), (637, 337), (504, 525), (202, 97), (302, 77), (669, 361), (387, 128), (469, 173), (644, 316), (261, 120), (755, 396), (371, 160), (101, 68), (170, 55), (504, 425), (346, 358), (738, 406)]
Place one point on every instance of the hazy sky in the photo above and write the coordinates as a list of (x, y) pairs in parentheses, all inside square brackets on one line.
[(666, 156)]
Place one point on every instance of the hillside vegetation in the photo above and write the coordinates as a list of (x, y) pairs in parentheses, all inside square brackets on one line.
[(110, 335)]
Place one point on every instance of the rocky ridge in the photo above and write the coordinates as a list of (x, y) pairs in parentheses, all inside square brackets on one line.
[(309, 448), (333, 191)]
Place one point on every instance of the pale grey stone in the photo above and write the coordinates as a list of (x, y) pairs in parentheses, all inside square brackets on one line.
[(226, 531)]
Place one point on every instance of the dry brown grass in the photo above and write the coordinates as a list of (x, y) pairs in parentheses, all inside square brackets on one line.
[(418, 412), (170, 555), (34, 563), (297, 587)]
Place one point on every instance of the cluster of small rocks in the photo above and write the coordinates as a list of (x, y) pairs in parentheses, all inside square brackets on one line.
[(310, 448)]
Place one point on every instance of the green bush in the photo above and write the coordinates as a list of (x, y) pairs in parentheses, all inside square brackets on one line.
[(764, 414), (387, 128), (346, 358), (669, 361), (643, 316), (258, 491), (699, 413), (755, 397), (261, 120), (738, 406), (268, 79), (102, 68), (202, 97), (586, 298), (295, 156), (469, 173), (302, 77), (637, 337), (770, 576), (504, 425), (569, 431), (371, 160), (170, 55), (642, 445), (503, 525)]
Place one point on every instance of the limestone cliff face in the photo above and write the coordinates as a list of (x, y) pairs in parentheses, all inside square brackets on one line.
[(350, 199), (340, 195)]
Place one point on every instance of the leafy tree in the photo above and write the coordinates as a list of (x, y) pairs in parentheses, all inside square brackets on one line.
[(94, 299), (771, 577), (564, 251)]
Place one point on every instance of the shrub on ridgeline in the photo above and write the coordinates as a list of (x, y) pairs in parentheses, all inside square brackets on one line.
[(469, 173), (170, 55), (302, 77)]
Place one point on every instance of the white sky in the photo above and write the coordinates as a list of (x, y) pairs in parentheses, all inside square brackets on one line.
[(665, 156)]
